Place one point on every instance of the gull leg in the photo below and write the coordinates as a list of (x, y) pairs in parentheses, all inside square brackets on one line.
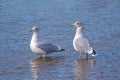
[(43, 56), (40, 56), (86, 55), (80, 55)]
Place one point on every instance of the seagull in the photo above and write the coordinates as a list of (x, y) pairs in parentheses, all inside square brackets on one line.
[(80, 43), (42, 48)]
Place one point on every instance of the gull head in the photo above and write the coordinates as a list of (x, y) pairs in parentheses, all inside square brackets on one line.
[(77, 24), (34, 29)]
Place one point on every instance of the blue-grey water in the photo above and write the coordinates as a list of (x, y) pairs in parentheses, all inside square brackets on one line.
[(101, 20)]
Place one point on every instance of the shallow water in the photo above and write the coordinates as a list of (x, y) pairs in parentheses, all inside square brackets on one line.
[(101, 27)]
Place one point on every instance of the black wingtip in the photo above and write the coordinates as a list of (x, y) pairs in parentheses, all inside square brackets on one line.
[(62, 49), (94, 52)]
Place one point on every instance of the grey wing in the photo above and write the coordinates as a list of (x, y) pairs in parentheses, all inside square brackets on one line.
[(83, 45), (48, 47), (87, 47)]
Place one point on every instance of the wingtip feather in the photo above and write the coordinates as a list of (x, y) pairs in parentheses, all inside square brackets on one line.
[(62, 49), (94, 53)]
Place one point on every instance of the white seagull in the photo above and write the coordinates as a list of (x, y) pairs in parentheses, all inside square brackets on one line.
[(42, 48), (80, 43)]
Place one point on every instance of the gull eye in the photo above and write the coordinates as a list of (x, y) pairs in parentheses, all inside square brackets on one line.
[(37, 29), (78, 23)]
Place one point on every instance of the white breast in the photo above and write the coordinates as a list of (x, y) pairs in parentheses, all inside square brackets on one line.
[(76, 44), (35, 49)]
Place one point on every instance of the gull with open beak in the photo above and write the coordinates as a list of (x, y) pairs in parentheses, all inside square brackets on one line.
[(80, 43)]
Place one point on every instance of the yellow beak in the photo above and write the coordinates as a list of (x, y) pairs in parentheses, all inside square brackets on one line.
[(72, 25)]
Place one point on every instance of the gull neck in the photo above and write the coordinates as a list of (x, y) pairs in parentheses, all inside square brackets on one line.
[(35, 37), (78, 32)]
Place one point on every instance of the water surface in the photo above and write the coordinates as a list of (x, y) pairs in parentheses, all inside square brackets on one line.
[(101, 27)]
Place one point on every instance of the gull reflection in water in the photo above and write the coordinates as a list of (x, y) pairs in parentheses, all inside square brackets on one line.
[(40, 64), (83, 68)]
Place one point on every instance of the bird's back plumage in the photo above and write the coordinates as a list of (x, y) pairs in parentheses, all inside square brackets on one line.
[(49, 47)]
